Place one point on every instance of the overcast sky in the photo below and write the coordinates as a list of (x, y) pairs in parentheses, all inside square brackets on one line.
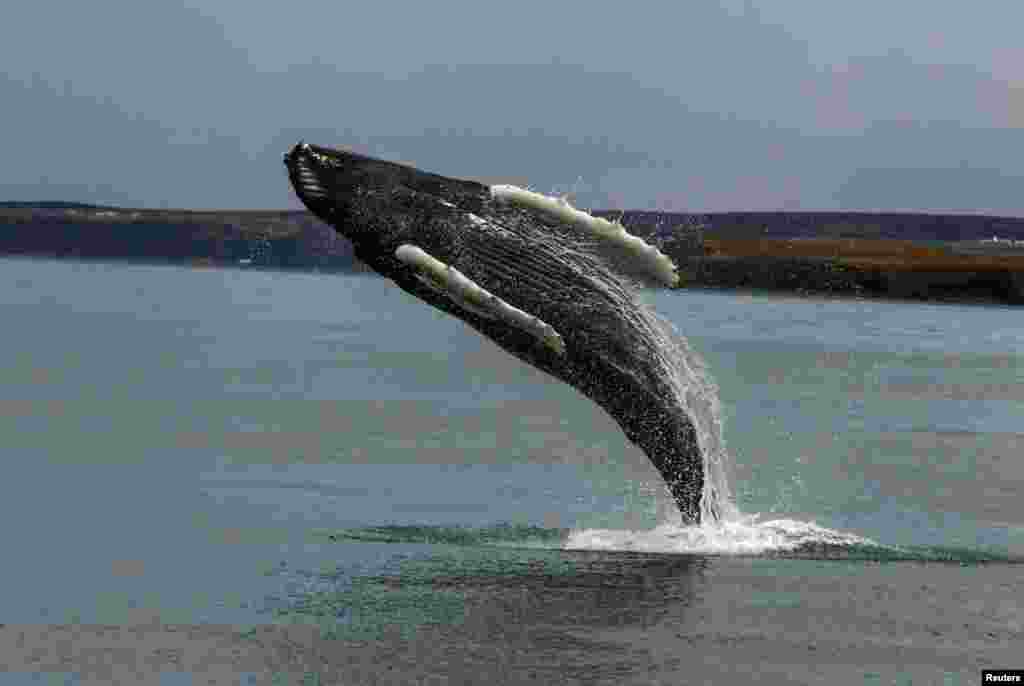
[(700, 106)]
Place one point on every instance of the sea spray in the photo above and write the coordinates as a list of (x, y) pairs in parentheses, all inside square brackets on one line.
[(697, 393), (741, 535), (683, 374)]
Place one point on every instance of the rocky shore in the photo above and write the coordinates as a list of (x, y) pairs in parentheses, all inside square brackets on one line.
[(964, 258)]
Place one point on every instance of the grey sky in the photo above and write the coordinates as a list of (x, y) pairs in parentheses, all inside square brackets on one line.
[(685, 106)]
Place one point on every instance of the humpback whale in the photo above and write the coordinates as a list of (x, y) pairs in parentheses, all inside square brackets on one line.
[(549, 284)]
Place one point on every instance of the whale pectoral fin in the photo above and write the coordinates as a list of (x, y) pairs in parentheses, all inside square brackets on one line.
[(469, 296), (625, 253)]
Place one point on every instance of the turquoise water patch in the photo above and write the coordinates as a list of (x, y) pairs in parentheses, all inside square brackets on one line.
[(518, 534)]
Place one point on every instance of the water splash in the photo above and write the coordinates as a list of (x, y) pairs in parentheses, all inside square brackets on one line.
[(744, 536), (739, 535), (697, 393)]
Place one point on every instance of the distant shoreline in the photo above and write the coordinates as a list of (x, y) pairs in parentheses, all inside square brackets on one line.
[(924, 257)]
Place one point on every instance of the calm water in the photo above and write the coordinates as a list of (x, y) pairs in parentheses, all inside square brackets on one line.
[(253, 448)]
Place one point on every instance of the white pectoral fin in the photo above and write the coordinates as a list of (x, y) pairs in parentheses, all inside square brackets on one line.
[(470, 296), (626, 252)]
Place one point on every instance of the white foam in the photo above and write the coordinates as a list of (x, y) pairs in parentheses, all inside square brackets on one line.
[(655, 262), (740, 536)]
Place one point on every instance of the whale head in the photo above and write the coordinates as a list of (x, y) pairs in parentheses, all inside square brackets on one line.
[(372, 201), (355, 193)]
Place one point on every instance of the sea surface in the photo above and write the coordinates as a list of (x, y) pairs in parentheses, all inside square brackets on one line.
[(233, 476)]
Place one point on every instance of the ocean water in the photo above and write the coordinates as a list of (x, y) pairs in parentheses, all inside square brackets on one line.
[(236, 476)]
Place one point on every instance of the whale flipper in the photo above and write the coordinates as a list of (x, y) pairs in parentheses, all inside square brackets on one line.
[(468, 295), (627, 254)]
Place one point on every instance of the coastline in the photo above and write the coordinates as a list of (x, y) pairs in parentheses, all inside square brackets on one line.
[(901, 256)]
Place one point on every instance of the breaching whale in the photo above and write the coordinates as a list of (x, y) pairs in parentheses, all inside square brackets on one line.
[(547, 283)]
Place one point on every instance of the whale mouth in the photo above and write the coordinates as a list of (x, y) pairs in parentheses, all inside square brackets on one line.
[(307, 174)]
